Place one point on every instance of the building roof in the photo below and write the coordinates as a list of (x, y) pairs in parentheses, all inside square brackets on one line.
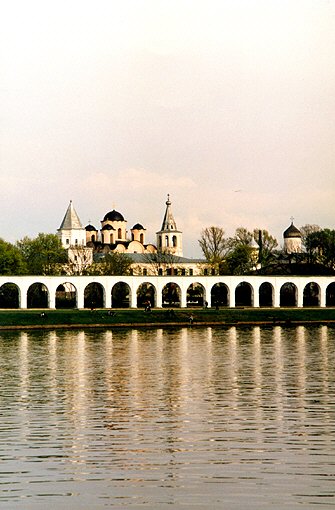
[(168, 220), (71, 219), (292, 231), (90, 228), (113, 216), (138, 226)]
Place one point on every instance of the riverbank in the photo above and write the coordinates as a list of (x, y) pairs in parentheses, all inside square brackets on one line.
[(118, 318)]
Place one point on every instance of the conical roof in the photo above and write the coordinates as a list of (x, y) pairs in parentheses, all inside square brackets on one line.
[(71, 219), (168, 220)]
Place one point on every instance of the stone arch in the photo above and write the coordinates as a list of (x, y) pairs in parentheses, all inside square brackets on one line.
[(66, 295), (244, 294), (94, 295), (288, 294), (266, 294), (121, 295), (330, 294), (195, 295), (311, 295), (220, 295), (37, 296), (171, 295), (146, 292), (9, 295)]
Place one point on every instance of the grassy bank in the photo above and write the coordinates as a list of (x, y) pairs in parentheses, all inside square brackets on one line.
[(162, 317)]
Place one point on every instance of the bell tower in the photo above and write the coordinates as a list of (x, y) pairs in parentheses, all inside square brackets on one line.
[(169, 238)]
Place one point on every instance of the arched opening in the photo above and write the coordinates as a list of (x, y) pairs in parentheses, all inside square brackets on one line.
[(121, 295), (195, 295), (244, 294), (266, 294), (66, 296), (167, 241), (288, 294), (311, 295), (330, 295), (94, 295), (142, 238), (37, 296), (93, 238), (220, 295), (171, 295), (119, 233), (160, 241), (146, 293), (9, 296), (174, 241), (111, 239)]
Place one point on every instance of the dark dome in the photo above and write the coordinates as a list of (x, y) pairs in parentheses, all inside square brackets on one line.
[(90, 228), (108, 227), (292, 231), (138, 226), (113, 216)]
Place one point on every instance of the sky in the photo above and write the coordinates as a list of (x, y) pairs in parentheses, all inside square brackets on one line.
[(228, 106)]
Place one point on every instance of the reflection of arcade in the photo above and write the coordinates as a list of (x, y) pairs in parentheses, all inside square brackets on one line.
[(171, 295)]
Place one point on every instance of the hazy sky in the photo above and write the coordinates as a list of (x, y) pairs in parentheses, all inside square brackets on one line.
[(229, 106)]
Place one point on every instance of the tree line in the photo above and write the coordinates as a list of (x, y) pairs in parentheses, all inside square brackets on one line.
[(258, 251)]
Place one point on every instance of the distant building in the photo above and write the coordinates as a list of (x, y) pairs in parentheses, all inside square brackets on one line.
[(292, 240)]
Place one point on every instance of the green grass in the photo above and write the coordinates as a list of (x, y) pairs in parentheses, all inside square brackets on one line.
[(130, 317)]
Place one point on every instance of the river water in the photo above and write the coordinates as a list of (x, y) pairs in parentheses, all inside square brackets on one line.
[(186, 418)]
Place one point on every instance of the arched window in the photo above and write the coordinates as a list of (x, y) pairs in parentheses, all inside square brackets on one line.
[(160, 241), (141, 238), (119, 233), (93, 238), (167, 241), (174, 241)]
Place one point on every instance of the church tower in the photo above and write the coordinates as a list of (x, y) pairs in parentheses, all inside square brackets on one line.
[(71, 232), (169, 238)]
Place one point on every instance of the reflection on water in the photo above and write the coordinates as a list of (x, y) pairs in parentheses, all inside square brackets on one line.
[(188, 418)]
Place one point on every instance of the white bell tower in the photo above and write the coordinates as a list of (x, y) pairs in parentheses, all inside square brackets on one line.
[(169, 238)]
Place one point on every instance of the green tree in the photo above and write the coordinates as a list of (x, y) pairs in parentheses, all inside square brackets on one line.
[(240, 260), (268, 246), (11, 260), (114, 263), (321, 247), (43, 255)]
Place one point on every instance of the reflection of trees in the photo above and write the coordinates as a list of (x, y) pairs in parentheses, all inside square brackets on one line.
[(9, 296)]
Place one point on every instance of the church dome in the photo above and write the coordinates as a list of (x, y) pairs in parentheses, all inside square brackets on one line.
[(292, 231), (138, 226), (113, 216), (90, 228), (108, 227)]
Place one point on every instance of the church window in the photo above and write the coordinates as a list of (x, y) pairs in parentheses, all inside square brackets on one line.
[(145, 271), (167, 241), (183, 272), (160, 241), (111, 239), (119, 233), (191, 272), (160, 271), (141, 238), (76, 242), (93, 238), (174, 241)]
